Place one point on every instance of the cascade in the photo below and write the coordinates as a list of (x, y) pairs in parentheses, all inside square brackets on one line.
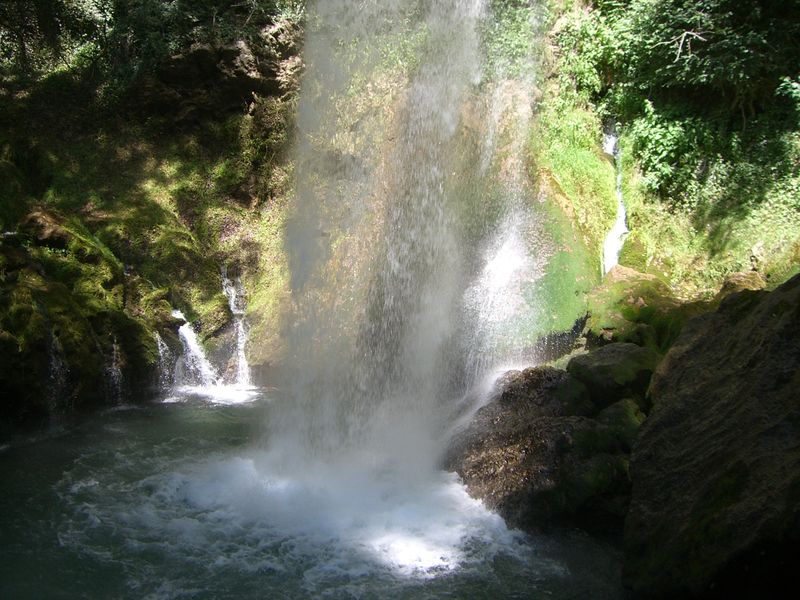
[(194, 375), (616, 237), (234, 291), (57, 373), (113, 374), (166, 364), (377, 339), (413, 255), (193, 369)]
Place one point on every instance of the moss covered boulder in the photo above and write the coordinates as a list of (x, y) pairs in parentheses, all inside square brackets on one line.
[(715, 507), (637, 307), (614, 372)]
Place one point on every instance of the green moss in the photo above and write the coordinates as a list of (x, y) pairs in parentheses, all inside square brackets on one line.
[(570, 274), (623, 420)]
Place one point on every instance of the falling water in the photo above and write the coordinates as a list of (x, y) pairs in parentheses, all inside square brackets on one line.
[(166, 365), (114, 381), (399, 307), (195, 376), (234, 291), (616, 237), (495, 300), (57, 373), (377, 267), (193, 368)]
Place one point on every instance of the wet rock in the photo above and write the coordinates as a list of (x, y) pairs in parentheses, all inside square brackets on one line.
[(530, 455), (636, 307), (614, 372), (623, 420), (715, 508)]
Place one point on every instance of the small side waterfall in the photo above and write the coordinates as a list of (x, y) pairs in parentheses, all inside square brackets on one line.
[(114, 381), (235, 292), (166, 365), (616, 237), (193, 368), (57, 373), (194, 374)]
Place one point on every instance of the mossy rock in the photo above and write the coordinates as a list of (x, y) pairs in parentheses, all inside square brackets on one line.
[(614, 372), (634, 253), (639, 308), (592, 493), (623, 420), (739, 282)]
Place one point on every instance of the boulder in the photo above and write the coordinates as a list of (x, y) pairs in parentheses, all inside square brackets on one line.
[(614, 372), (532, 456), (715, 507), (738, 282), (623, 420)]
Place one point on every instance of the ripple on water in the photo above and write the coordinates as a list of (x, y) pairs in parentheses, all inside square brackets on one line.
[(332, 529)]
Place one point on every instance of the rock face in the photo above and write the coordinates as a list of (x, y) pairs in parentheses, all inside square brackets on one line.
[(615, 372), (72, 335), (715, 508), (206, 80), (535, 456)]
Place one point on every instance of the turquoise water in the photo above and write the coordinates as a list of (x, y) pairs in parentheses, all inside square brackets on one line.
[(187, 500)]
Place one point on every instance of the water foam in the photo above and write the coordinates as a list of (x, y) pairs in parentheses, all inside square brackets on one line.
[(196, 377)]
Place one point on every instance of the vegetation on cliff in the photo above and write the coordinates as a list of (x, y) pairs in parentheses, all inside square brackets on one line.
[(142, 147), (707, 96)]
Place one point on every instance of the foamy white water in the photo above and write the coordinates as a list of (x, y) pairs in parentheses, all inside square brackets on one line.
[(616, 237), (171, 501), (195, 376)]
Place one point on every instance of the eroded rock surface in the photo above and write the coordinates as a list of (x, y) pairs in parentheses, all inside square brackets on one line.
[(715, 508), (535, 456)]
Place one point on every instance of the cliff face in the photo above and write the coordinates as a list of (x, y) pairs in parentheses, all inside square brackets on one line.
[(716, 468), (110, 222)]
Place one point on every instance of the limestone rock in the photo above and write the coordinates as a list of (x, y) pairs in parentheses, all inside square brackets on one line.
[(715, 508)]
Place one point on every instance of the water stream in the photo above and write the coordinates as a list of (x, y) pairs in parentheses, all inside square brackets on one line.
[(616, 237)]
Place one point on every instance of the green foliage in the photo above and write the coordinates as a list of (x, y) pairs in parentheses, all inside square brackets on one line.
[(114, 42), (708, 95), (511, 38)]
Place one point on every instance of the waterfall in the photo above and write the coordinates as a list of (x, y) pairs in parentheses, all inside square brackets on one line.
[(193, 369), (166, 365), (234, 291), (195, 376), (377, 266), (57, 373), (616, 237), (114, 382)]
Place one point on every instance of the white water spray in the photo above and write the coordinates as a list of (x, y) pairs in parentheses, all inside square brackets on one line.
[(166, 365), (616, 237), (195, 376), (193, 369)]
